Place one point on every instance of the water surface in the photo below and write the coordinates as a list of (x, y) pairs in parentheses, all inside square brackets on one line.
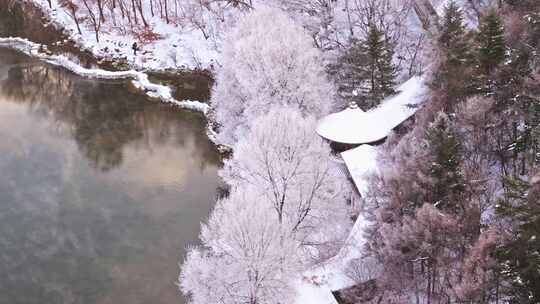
[(101, 189)]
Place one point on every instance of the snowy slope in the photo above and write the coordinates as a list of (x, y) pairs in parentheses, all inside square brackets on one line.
[(178, 47), (353, 126)]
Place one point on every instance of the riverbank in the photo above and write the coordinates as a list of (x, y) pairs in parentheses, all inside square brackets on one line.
[(139, 79), (102, 188), (36, 23), (43, 39)]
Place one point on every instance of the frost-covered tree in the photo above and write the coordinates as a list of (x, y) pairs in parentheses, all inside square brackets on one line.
[(397, 22), (268, 60), (210, 17), (246, 256), (479, 275), (317, 16), (389, 16), (416, 255), (286, 210), (289, 164)]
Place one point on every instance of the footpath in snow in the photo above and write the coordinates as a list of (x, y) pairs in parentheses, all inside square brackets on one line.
[(354, 126)]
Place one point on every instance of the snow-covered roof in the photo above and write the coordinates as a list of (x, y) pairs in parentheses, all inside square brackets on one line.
[(354, 126), (361, 161), (317, 284)]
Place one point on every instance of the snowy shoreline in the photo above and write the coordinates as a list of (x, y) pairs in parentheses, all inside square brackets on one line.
[(139, 79)]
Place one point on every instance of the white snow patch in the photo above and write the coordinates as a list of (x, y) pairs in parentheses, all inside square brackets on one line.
[(354, 126), (314, 294)]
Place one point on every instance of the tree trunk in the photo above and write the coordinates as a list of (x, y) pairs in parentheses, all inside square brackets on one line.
[(166, 11), (427, 14), (139, 5), (100, 8), (74, 13), (134, 9)]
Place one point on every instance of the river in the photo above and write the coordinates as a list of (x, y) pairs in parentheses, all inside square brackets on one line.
[(101, 189)]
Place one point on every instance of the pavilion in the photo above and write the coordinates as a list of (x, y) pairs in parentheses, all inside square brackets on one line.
[(359, 132)]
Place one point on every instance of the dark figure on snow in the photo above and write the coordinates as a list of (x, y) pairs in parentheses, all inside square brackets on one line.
[(135, 47)]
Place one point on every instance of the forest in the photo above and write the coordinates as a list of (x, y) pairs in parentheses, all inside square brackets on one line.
[(452, 214)]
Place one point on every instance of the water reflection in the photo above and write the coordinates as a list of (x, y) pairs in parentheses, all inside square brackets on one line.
[(100, 189)]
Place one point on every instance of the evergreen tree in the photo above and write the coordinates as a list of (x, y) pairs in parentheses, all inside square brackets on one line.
[(382, 71), (452, 36), (444, 165), (367, 71), (352, 73), (455, 56), (492, 45), (519, 259)]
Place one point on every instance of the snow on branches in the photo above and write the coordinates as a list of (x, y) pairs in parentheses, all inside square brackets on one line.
[(288, 203), (247, 257), (286, 210), (267, 60), (288, 164)]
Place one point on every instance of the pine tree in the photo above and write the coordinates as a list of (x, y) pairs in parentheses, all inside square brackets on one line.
[(520, 257), (352, 73), (367, 70), (492, 45), (382, 71), (444, 170), (456, 59), (452, 36)]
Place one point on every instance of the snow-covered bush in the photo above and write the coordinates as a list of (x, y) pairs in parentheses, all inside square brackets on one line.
[(268, 60)]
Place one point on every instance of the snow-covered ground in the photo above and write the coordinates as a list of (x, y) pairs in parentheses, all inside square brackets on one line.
[(354, 126), (177, 47)]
